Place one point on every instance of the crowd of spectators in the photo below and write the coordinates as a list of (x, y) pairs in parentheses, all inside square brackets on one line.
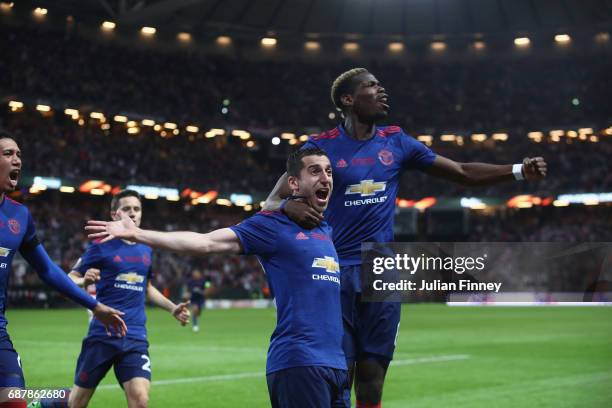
[(63, 66)]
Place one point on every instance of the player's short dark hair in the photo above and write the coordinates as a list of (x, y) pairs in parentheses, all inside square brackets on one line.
[(123, 194), (6, 135), (344, 84), (295, 163)]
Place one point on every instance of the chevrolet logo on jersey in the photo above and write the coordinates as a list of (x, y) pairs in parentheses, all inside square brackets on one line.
[(4, 252), (366, 188), (131, 277), (328, 263)]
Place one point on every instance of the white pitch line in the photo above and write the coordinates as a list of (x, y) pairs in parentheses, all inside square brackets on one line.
[(432, 359), (237, 376)]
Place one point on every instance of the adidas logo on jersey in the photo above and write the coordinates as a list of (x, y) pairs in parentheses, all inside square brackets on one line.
[(117, 258), (301, 236), (341, 163)]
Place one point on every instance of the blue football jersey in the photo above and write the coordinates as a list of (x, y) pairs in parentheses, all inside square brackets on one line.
[(16, 232), (303, 273), (125, 270), (366, 178)]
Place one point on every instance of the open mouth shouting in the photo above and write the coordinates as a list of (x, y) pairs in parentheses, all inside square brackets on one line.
[(14, 177), (322, 195)]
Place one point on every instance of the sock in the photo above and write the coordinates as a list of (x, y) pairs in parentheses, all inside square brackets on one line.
[(194, 319), (364, 405)]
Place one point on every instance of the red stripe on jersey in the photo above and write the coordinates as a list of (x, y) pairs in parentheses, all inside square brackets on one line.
[(389, 130), (330, 134)]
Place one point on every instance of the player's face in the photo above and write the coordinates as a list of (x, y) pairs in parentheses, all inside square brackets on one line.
[(370, 101), (131, 207), (10, 165), (315, 182)]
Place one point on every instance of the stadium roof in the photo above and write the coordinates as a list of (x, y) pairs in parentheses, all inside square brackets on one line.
[(343, 18)]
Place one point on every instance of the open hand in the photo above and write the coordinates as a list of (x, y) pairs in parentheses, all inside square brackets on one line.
[(110, 319), (107, 230)]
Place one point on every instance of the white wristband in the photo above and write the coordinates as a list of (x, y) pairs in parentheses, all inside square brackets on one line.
[(517, 170)]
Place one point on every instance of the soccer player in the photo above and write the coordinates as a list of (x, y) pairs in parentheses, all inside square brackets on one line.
[(17, 233), (367, 161), (121, 271), (197, 286), (305, 366)]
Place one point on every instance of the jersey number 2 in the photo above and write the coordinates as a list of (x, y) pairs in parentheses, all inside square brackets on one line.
[(147, 365)]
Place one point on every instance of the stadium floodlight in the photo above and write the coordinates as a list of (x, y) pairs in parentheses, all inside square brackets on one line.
[(602, 37), (557, 133), (293, 142), (332, 115), (522, 41), (6, 6), (427, 139), (562, 38), (268, 42), (312, 45), (479, 45), (448, 138), (287, 136), (350, 46), (15, 106), (184, 37), (479, 137), (438, 45), (396, 47), (561, 203), (594, 139), (224, 40), (67, 189), (585, 131), (250, 144), (148, 122), (224, 201), (97, 115), (501, 137), (108, 26), (170, 125), (133, 130), (148, 30), (192, 129), (43, 108), (40, 11), (120, 118), (276, 140)]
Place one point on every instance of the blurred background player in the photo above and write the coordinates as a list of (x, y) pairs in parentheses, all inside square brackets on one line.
[(368, 161), (305, 366), (196, 287), (121, 271), (17, 233)]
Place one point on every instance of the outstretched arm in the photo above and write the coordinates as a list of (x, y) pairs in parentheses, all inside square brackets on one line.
[(180, 311), (483, 174), (53, 276), (301, 213), (219, 241)]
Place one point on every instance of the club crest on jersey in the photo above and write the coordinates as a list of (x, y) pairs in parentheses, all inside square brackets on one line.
[(4, 252), (328, 263), (386, 157), (14, 226), (341, 163), (366, 188), (130, 277)]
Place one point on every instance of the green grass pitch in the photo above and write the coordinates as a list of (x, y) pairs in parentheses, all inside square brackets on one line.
[(453, 357)]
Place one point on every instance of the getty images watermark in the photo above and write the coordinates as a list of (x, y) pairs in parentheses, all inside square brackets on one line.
[(487, 272)]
